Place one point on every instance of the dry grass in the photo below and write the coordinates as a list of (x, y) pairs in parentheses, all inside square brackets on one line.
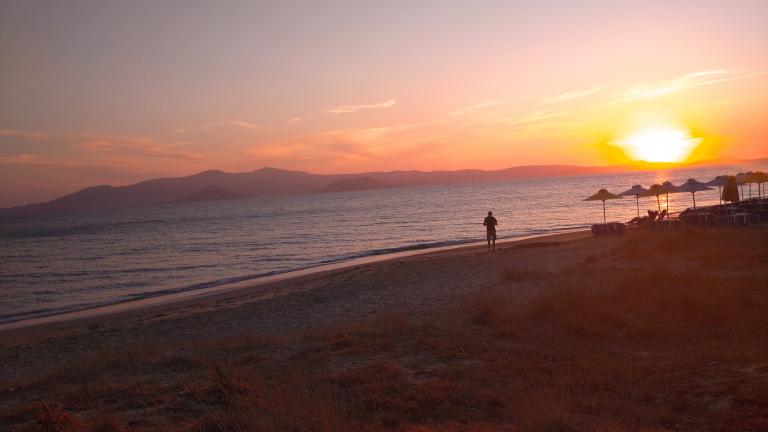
[(650, 332)]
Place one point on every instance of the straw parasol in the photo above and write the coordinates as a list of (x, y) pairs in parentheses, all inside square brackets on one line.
[(635, 191), (655, 190), (750, 177), (760, 178), (718, 181), (741, 180), (668, 189), (693, 186), (602, 195), (730, 190), (746, 178)]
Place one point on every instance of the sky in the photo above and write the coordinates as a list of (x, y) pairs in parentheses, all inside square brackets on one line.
[(109, 92)]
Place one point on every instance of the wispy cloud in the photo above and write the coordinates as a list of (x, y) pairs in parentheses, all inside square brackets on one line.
[(36, 160), (574, 94), (23, 134), (381, 133), (469, 109), (343, 109), (354, 148), (534, 117), (509, 113), (144, 147), (685, 82), (239, 124)]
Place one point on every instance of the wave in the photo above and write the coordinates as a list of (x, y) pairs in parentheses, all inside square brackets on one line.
[(37, 231)]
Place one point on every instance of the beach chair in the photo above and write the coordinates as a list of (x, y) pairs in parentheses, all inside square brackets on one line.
[(651, 218), (618, 228), (726, 215), (609, 228)]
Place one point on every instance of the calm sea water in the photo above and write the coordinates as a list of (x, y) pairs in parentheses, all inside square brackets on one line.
[(73, 262)]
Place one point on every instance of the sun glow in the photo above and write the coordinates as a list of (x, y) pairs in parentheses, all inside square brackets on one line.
[(660, 144)]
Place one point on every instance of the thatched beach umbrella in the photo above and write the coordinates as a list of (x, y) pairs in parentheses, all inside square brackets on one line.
[(746, 178), (655, 190), (668, 189), (741, 180), (602, 195), (718, 181), (693, 186), (730, 190), (750, 177), (760, 178), (635, 191)]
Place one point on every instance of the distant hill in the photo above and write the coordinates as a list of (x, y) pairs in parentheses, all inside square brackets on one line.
[(215, 185), (356, 184), (204, 186)]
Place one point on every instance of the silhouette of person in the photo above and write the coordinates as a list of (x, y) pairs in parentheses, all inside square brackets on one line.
[(490, 223)]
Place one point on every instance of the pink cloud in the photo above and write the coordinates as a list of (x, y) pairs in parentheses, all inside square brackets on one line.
[(343, 109), (23, 134), (143, 147)]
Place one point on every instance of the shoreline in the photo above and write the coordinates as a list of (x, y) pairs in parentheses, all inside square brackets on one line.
[(235, 289)]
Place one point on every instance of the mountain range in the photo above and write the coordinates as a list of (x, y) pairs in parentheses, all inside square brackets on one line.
[(216, 185)]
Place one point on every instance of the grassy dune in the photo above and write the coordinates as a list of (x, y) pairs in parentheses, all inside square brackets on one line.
[(650, 332)]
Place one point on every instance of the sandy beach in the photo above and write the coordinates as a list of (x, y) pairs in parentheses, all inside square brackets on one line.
[(414, 282), (444, 320)]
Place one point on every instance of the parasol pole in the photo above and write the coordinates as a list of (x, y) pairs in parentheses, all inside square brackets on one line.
[(637, 199), (604, 222)]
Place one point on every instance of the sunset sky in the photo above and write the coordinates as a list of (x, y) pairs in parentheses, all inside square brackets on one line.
[(108, 92)]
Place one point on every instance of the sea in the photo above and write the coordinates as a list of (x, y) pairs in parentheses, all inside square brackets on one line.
[(66, 263)]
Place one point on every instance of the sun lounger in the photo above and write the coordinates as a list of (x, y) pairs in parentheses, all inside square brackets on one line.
[(610, 228)]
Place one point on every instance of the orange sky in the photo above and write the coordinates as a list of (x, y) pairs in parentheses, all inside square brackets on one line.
[(116, 93)]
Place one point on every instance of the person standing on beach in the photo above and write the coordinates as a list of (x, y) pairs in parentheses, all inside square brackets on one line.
[(490, 223)]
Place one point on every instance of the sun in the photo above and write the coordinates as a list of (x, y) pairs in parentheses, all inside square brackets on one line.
[(659, 144)]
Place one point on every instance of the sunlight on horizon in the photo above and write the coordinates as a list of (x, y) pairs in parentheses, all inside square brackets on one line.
[(660, 144)]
